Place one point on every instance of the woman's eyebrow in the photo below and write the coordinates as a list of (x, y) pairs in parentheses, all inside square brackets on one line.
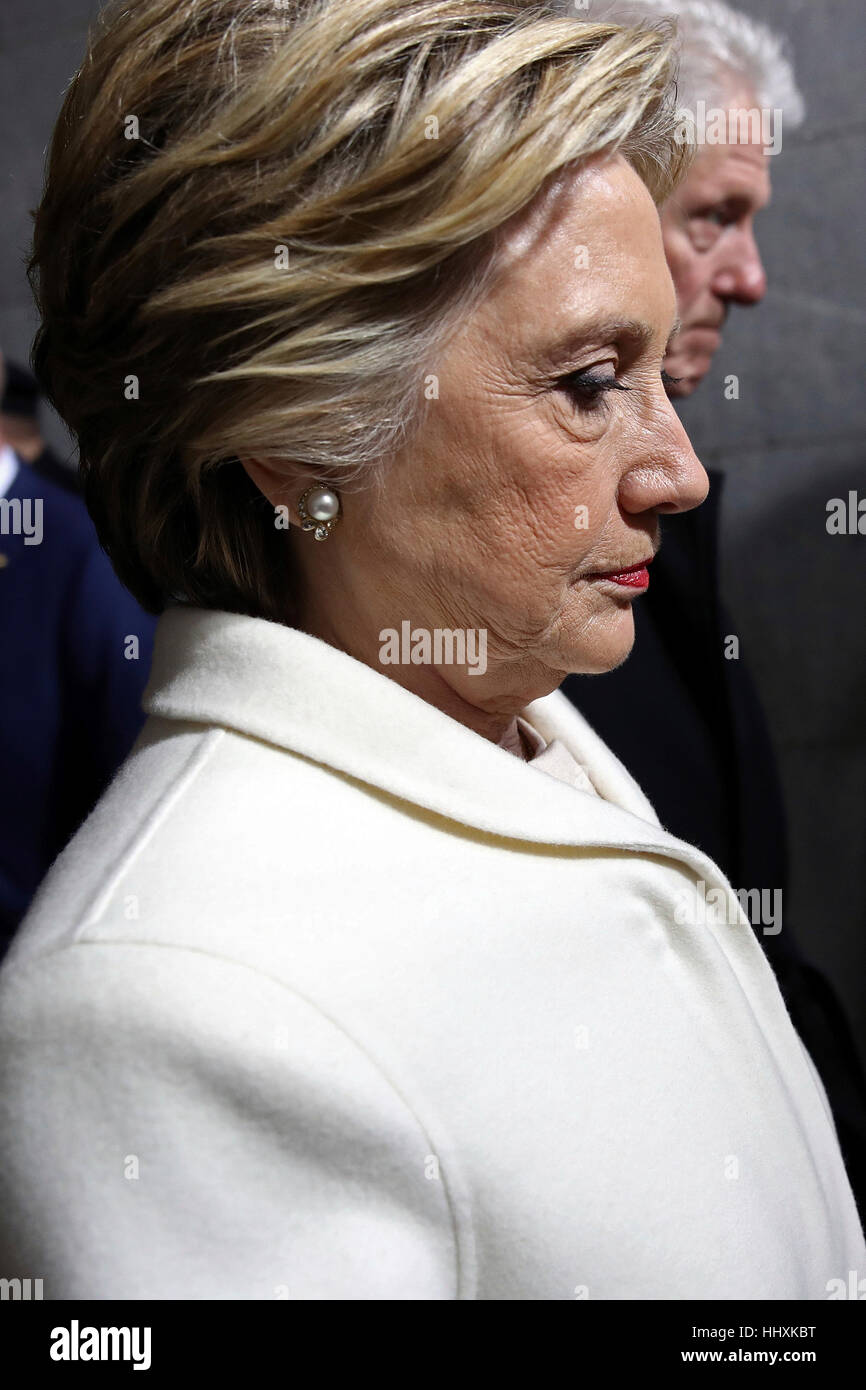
[(602, 330)]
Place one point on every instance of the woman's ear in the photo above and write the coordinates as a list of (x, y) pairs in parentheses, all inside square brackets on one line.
[(279, 487), (305, 502)]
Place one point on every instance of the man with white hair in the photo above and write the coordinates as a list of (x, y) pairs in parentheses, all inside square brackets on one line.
[(685, 721), (738, 97)]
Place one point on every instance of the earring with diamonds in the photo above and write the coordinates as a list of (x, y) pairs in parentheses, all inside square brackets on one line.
[(320, 510)]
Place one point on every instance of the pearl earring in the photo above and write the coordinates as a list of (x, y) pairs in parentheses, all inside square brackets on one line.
[(320, 510)]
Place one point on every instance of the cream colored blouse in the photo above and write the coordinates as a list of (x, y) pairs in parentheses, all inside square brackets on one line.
[(553, 758)]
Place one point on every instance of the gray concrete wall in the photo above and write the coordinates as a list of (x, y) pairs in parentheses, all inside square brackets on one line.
[(793, 439), (41, 45)]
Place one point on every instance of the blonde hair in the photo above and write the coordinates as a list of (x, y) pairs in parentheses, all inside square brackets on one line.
[(261, 220)]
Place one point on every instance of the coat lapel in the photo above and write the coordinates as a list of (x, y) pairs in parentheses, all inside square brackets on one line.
[(297, 693)]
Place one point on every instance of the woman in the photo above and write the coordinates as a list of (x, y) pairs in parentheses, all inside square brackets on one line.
[(374, 974)]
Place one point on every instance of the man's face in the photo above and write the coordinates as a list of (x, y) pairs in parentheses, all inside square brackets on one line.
[(708, 231)]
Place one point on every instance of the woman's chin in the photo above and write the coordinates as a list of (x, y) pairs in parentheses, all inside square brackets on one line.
[(605, 646)]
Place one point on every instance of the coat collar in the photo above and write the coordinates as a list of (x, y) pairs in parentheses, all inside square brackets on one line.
[(296, 692)]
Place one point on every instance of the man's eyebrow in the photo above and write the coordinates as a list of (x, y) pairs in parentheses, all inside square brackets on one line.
[(634, 332), (678, 323)]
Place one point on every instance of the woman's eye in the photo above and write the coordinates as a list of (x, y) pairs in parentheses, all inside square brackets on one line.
[(587, 390)]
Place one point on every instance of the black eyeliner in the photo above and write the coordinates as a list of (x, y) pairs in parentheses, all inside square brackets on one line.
[(582, 381)]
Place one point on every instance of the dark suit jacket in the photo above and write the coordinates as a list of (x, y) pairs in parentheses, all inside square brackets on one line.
[(70, 696), (688, 724)]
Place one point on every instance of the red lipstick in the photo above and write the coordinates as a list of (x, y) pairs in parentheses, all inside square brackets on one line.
[(635, 577)]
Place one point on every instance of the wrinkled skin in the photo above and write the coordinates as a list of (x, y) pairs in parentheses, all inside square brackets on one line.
[(475, 525), (709, 241)]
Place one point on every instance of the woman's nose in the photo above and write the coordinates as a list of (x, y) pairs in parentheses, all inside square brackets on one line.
[(669, 477)]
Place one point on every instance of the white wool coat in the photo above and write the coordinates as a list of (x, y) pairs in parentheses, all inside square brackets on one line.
[(331, 998)]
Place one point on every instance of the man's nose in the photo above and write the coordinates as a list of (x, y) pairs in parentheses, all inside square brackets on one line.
[(741, 277)]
